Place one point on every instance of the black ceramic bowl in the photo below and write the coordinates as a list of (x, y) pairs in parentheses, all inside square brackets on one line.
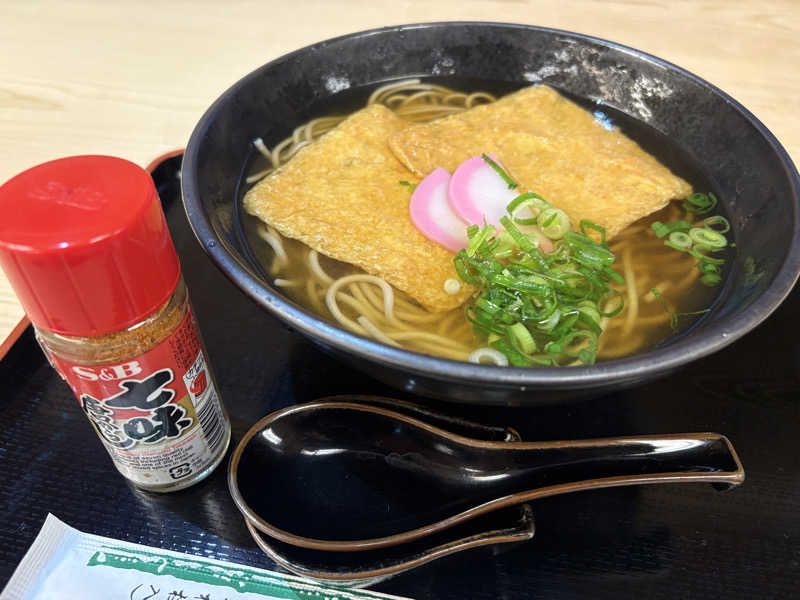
[(708, 131)]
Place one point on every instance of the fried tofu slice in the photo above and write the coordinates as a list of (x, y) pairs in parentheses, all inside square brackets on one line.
[(341, 196), (554, 148)]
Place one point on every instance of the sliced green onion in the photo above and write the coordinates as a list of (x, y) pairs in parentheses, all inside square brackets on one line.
[(680, 239), (706, 257), (525, 199), (515, 357), (707, 237), (613, 275), (499, 170), (475, 241), (460, 264), (525, 243), (717, 223), (505, 245), (522, 338), (528, 300), (614, 312), (550, 323), (488, 306), (566, 323), (530, 199), (700, 204), (673, 316), (553, 348), (698, 241), (524, 220), (675, 246), (554, 223), (591, 319), (569, 339), (588, 253), (586, 224), (587, 357), (589, 308), (663, 229), (408, 184), (482, 323)]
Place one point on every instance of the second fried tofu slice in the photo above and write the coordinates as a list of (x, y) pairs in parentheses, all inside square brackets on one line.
[(554, 148), (342, 197)]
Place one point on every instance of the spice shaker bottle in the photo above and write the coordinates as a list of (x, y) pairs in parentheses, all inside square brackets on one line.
[(85, 245)]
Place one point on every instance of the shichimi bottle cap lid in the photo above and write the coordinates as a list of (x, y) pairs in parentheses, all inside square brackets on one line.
[(85, 245)]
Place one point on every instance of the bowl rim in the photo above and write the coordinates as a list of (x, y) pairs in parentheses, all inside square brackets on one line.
[(647, 365)]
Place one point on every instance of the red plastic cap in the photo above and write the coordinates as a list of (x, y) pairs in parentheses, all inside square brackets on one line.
[(85, 245)]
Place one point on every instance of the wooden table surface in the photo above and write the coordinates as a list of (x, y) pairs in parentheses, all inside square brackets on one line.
[(132, 79)]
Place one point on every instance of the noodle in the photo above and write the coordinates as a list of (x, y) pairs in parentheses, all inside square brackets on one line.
[(316, 269), (287, 282), (369, 306), (633, 296), (375, 332), (312, 289), (274, 240), (388, 292), (259, 144)]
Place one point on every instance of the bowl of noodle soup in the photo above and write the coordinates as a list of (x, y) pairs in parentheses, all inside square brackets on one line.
[(422, 73)]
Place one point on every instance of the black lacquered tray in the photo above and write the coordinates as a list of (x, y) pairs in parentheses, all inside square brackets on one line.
[(686, 541)]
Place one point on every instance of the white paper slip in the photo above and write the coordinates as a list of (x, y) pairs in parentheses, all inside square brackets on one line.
[(64, 563)]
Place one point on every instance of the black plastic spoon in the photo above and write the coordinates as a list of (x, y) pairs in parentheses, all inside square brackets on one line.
[(345, 476)]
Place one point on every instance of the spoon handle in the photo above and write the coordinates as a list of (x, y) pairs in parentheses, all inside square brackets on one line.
[(530, 470)]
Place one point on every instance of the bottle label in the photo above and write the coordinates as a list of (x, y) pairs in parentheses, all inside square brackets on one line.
[(158, 414)]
